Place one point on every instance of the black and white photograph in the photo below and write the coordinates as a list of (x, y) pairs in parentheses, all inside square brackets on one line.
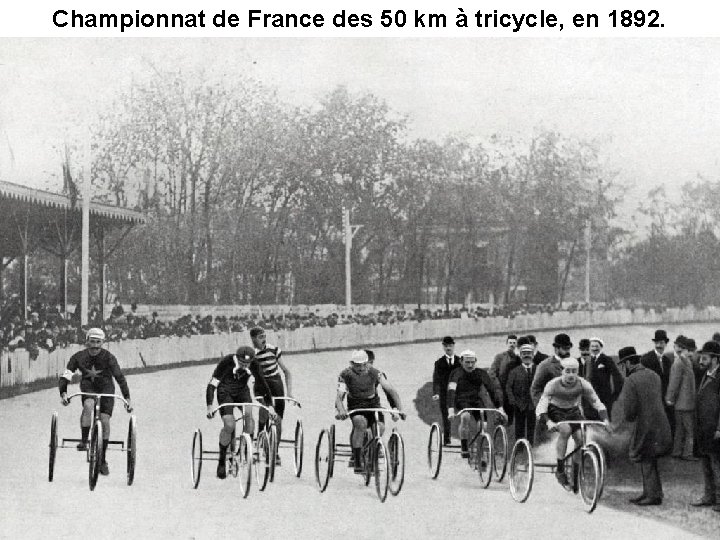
[(370, 288)]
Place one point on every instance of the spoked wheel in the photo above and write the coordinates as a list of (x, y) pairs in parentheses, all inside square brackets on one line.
[(331, 435), (500, 452), (589, 480), (262, 465), (131, 449), (522, 471), (244, 458), (600, 455), (396, 455), (196, 458), (434, 451), (484, 459), (298, 448), (323, 460), (381, 469), (273, 442), (53, 445), (96, 441)]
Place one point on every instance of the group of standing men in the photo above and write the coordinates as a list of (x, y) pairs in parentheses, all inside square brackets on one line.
[(672, 398)]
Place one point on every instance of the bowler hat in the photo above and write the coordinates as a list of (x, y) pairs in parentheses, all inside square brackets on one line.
[(584, 344), (711, 347), (628, 354), (562, 340), (660, 335), (685, 343), (448, 340), (524, 340)]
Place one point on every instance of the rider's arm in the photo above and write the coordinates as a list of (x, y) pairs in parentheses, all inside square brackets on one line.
[(67, 376), (340, 397), (286, 373), (452, 387), (496, 392), (590, 394), (391, 393), (261, 382), (119, 376), (538, 384), (210, 391), (542, 406)]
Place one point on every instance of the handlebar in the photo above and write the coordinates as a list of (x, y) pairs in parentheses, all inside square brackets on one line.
[(95, 395), (287, 398), (250, 404), (392, 412), (483, 410), (583, 423)]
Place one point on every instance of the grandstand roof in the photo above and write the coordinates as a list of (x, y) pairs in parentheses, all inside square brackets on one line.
[(55, 200), (45, 218)]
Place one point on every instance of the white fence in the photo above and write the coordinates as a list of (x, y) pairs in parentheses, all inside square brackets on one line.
[(16, 368)]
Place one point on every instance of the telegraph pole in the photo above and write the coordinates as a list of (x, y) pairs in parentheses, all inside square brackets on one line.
[(588, 241), (350, 232)]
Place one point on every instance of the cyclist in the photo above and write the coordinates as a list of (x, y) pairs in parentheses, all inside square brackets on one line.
[(230, 379), (469, 387), (98, 367), (269, 358), (560, 401), (359, 383)]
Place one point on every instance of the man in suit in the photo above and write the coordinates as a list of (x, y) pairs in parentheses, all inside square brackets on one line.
[(500, 368), (708, 425), (517, 392), (538, 356), (584, 358), (650, 438), (660, 362), (441, 376), (681, 394), (604, 376)]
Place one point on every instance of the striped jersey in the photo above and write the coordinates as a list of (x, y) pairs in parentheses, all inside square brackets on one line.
[(267, 359)]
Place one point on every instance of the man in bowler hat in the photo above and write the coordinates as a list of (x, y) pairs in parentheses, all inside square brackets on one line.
[(642, 401), (660, 361), (708, 425), (441, 376)]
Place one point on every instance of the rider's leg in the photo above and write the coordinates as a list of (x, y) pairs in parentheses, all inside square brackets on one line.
[(225, 437), (105, 421), (262, 419), (464, 432), (561, 448), (85, 419), (360, 426), (248, 423)]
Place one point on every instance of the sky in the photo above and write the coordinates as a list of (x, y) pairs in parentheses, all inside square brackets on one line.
[(653, 104)]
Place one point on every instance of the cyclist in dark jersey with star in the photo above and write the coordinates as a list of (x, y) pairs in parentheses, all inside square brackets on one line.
[(359, 383), (230, 380), (98, 367), (269, 358)]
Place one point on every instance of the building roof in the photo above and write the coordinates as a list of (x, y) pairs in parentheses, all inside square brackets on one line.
[(55, 200)]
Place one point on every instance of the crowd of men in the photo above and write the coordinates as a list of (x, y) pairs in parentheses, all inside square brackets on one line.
[(670, 397)]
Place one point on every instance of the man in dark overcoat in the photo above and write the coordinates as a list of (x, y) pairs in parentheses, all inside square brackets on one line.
[(660, 361), (441, 376), (650, 439), (708, 425)]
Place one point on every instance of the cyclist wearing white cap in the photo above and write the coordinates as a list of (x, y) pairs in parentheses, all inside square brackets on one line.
[(359, 383), (98, 367), (560, 401), (470, 387)]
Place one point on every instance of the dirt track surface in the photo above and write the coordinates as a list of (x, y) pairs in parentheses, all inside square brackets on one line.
[(161, 504)]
